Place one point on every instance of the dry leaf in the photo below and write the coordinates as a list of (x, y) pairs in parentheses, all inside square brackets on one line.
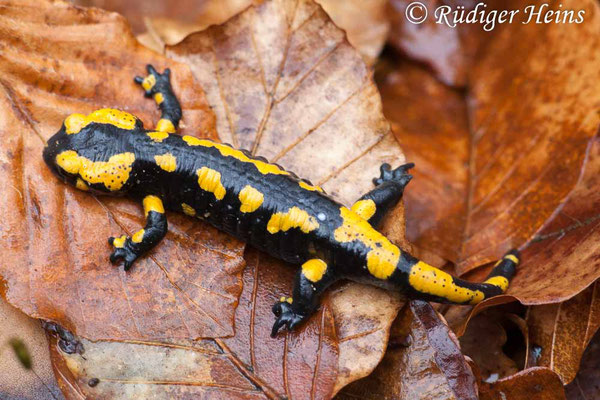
[(423, 361), (531, 384), (562, 331), (249, 365), (561, 261), (365, 22), (285, 83), (508, 165), (56, 255)]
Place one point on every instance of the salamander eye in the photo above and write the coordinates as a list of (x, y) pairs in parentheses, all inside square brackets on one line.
[(321, 216)]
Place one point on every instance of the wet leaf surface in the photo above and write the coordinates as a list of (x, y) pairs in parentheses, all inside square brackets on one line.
[(531, 384), (423, 361), (56, 264), (249, 365), (483, 341), (517, 160)]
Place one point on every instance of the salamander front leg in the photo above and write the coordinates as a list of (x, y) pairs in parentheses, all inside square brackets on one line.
[(388, 191), (159, 87), (129, 248), (310, 282)]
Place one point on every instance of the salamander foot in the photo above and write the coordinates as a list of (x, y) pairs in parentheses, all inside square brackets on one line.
[(286, 316), (399, 174)]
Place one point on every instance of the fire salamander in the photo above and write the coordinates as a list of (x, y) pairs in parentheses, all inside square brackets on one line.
[(110, 152)]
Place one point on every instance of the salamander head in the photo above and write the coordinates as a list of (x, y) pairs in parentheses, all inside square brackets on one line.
[(73, 155)]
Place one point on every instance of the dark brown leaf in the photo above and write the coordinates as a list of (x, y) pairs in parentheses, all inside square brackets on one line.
[(423, 361), (531, 384), (586, 385), (561, 332)]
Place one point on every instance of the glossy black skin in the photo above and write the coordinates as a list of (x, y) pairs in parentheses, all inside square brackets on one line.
[(98, 142)]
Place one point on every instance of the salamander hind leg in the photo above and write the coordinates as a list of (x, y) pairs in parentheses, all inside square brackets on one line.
[(310, 282), (158, 86), (129, 248)]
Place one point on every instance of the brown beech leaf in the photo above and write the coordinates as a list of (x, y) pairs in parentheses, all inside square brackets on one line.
[(58, 59), (586, 385), (249, 365), (531, 384), (365, 22), (561, 261), (517, 142), (423, 361), (192, 15), (561, 332), (285, 83)]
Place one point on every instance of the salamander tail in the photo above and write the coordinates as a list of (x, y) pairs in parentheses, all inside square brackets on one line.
[(432, 284)]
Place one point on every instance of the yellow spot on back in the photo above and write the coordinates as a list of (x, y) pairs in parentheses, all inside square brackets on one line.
[(383, 256), (158, 98), (293, 218), (511, 258), (227, 151), (314, 269), (250, 198), (157, 136), (166, 161), (165, 125), (365, 208), (121, 119), (428, 279), (138, 236), (306, 186), (81, 185), (210, 181), (153, 203), (499, 281), (112, 173), (188, 210), (149, 82)]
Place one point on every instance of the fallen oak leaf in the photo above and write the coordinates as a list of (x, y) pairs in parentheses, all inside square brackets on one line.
[(285, 83), (56, 264), (423, 361), (524, 157)]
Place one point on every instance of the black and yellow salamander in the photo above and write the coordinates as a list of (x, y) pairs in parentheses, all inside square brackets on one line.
[(110, 152)]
